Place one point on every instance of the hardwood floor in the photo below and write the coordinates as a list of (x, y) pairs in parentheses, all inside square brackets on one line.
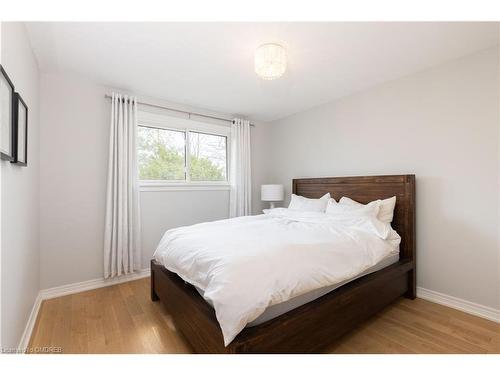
[(122, 319)]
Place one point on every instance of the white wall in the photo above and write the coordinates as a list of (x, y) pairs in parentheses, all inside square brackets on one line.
[(73, 160), (164, 210), (261, 153), (74, 147), (441, 124), (20, 195)]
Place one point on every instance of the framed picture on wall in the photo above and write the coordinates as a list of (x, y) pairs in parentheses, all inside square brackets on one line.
[(20, 139), (6, 116)]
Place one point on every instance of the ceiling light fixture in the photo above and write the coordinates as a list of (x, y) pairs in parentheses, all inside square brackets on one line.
[(270, 61)]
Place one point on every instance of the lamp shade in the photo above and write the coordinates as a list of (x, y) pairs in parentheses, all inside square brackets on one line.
[(271, 193)]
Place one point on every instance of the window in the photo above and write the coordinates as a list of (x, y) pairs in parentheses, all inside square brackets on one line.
[(174, 151), (161, 154), (207, 156)]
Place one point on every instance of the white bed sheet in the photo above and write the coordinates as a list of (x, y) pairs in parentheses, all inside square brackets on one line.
[(277, 310), (247, 264), (284, 307)]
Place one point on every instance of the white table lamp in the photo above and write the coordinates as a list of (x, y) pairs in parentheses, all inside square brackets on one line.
[(271, 193)]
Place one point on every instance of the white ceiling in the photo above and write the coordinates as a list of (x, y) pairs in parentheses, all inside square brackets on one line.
[(210, 65)]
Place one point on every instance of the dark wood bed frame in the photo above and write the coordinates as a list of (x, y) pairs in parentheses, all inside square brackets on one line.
[(313, 326)]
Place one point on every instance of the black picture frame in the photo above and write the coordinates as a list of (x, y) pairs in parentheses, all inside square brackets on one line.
[(20, 134), (6, 116)]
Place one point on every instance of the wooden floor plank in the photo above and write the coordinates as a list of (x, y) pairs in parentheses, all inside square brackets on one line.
[(440, 333), (470, 333), (61, 334), (79, 337), (95, 321), (122, 319), (42, 334)]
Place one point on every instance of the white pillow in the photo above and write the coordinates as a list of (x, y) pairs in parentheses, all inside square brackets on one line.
[(337, 209), (386, 212), (300, 203)]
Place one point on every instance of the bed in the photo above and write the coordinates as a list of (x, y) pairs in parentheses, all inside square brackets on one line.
[(319, 321)]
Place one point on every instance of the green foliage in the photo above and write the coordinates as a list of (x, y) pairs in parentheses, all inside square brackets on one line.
[(157, 162), (203, 169), (163, 164)]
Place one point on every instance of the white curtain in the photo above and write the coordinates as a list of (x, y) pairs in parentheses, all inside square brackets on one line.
[(240, 200), (122, 227)]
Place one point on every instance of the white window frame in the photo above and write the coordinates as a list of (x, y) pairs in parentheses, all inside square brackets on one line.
[(160, 121)]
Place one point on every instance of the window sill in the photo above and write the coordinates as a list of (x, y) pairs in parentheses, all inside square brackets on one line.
[(150, 187)]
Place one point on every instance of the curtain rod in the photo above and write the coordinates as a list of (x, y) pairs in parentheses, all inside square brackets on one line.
[(181, 111)]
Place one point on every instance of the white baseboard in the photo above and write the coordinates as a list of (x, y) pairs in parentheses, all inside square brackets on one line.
[(459, 304), (64, 290), (71, 289), (25, 338)]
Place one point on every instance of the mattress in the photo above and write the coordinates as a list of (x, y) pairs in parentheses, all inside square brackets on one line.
[(281, 308)]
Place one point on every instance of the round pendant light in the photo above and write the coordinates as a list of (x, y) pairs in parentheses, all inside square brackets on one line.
[(270, 61)]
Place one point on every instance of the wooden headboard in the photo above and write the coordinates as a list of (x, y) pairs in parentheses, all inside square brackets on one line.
[(365, 189)]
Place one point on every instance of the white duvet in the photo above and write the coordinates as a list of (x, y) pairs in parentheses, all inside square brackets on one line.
[(246, 264)]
